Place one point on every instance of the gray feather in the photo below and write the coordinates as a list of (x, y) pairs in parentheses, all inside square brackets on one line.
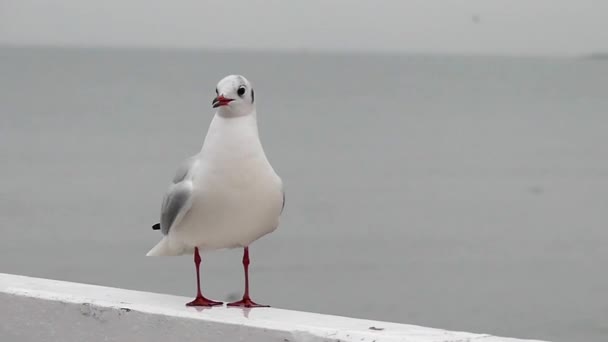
[(176, 202), (177, 199)]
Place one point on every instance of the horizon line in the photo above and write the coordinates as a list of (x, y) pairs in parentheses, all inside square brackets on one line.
[(292, 50)]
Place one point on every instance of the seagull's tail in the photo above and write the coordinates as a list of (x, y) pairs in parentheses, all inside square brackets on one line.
[(166, 248)]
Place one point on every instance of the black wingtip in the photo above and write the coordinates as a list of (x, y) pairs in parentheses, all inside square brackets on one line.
[(156, 226)]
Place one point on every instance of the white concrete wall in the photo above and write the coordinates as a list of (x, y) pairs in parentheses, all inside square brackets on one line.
[(33, 309)]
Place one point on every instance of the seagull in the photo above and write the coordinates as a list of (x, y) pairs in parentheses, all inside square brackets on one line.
[(226, 196)]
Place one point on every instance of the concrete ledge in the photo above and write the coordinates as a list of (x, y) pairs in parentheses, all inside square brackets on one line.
[(33, 309)]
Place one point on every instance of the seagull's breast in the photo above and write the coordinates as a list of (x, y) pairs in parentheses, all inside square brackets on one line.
[(237, 195)]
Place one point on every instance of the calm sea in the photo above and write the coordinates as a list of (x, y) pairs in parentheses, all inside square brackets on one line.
[(466, 193)]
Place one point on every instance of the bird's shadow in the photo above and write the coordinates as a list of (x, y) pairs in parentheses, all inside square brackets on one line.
[(204, 308), (244, 311)]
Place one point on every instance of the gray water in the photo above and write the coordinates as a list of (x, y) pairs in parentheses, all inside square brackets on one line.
[(466, 193)]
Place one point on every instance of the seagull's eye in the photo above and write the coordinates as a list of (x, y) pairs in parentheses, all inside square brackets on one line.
[(216, 92), (241, 91)]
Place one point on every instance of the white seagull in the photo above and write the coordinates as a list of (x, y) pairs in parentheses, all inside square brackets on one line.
[(226, 196)]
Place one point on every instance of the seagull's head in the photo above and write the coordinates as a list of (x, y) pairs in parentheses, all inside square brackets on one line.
[(234, 96)]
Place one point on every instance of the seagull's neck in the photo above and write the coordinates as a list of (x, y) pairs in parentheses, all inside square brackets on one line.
[(233, 134)]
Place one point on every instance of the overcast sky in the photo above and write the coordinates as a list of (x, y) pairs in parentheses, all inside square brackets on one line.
[(520, 27)]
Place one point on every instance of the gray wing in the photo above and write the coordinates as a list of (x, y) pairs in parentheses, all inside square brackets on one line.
[(175, 204), (177, 199)]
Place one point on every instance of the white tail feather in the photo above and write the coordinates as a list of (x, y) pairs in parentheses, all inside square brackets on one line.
[(166, 248)]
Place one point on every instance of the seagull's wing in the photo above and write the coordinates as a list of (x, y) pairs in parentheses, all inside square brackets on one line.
[(184, 169), (175, 204), (177, 200)]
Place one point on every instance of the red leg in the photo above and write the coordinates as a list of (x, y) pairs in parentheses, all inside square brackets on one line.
[(246, 302), (200, 300)]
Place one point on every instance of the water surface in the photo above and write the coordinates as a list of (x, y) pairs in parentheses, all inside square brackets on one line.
[(466, 193)]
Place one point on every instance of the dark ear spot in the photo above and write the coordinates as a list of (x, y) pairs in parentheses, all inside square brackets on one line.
[(252, 96)]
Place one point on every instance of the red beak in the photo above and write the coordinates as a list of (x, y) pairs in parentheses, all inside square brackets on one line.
[(220, 101)]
